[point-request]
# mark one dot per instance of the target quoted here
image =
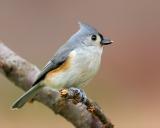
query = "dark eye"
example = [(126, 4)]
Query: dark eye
[(94, 37)]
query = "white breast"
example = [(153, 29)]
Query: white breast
[(84, 66)]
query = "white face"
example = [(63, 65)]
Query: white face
[(93, 40)]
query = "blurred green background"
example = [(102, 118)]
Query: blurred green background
[(127, 86)]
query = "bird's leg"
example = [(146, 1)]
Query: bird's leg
[(83, 96), (76, 94)]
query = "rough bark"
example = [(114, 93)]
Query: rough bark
[(22, 74)]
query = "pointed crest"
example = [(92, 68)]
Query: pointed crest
[(86, 28)]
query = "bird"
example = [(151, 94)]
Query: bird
[(74, 64)]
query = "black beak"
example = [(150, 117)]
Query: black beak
[(106, 41)]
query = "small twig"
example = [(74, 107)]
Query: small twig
[(22, 74)]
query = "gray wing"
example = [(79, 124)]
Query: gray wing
[(59, 58)]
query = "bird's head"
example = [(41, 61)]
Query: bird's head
[(89, 36)]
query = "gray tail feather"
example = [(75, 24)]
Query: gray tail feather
[(26, 96)]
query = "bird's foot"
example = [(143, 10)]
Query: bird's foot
[(76, 94)]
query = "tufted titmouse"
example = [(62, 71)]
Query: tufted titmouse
[(73, 65)]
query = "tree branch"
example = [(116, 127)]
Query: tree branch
[(22, 74)]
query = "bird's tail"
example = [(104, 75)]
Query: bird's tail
[(26, 97)]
